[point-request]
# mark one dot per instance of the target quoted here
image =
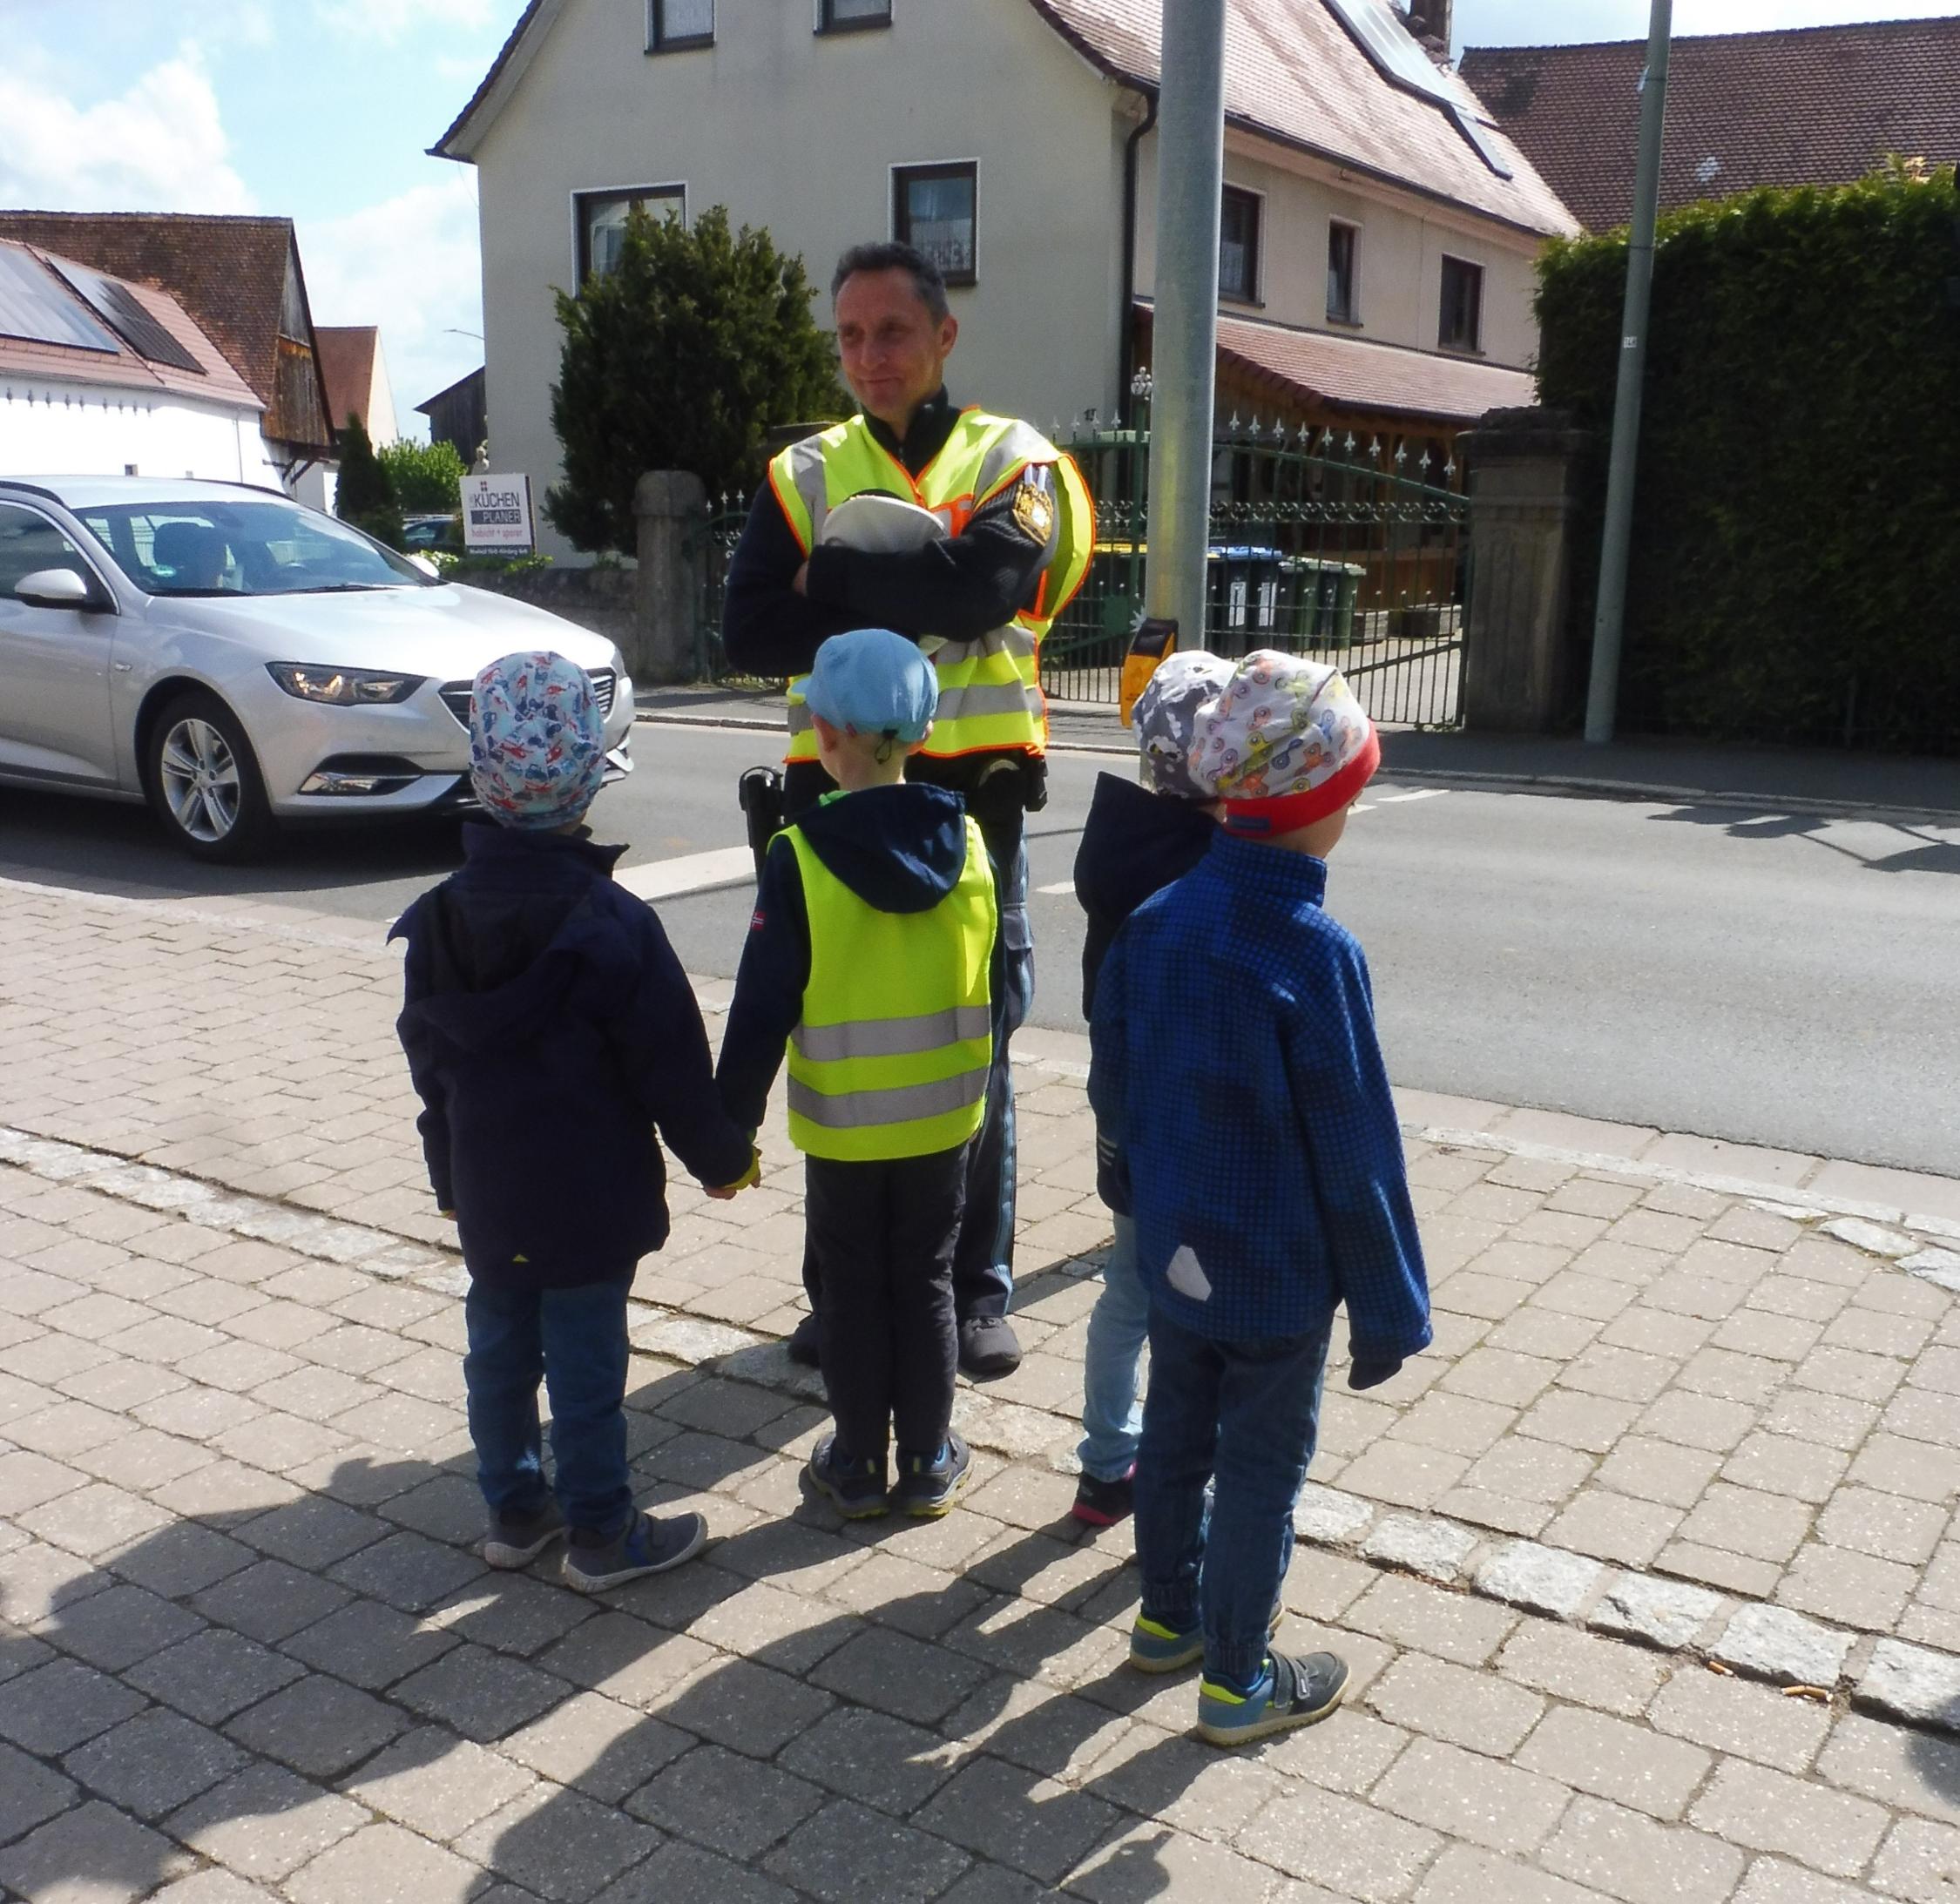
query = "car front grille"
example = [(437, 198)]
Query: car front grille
[(457, 695)]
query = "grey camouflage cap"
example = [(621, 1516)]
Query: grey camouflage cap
[(1166, 719)]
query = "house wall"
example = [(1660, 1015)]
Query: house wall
[(57, 429), (382, 425), (1402, 244), (797, 133)]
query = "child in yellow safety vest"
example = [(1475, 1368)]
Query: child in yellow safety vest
[(871, 957)]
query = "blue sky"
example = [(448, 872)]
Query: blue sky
[(321, 110)]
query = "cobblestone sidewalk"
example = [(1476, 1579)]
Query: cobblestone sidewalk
[(1647, 1574)]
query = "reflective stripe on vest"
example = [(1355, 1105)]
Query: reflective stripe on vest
[(990, 688), (892, 1054)]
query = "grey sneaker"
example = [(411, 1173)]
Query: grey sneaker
[(515, 1540), (645, 1545)]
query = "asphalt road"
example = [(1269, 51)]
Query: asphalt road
[(1753, 976)]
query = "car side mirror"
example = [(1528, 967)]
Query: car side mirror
[(59, 588), (427, 567)]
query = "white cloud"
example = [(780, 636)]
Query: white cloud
[(411, 265), (389, 20), (160, 146), (1525, 23)]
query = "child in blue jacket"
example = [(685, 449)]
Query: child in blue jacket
[(1237, 1073), (550, 1030)]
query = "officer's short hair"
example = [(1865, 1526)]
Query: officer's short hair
[(892, 256)]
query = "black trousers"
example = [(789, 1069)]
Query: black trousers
[(882, 1236)]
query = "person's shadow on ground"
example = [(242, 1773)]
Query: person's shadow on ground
[(249, 1685)]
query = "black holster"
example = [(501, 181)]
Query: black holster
[(760, 791)]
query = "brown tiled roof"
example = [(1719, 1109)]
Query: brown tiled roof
[(1354, 374), (347, 362), (126, 369), (229, 272), (1820, 105), (1294, 74)]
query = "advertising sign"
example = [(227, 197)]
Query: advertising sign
[(497, 514)]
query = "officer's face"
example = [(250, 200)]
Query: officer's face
[(893, 354)]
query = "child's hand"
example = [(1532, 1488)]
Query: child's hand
[(753, 1176)]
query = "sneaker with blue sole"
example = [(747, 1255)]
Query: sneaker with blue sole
[(646, 1544), (855, 1488), (1156, 1647), (1292, 1691), (514, 1539), (929, 1485)]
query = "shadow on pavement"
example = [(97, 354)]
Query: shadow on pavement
[(341, 1646), (1920, 850)]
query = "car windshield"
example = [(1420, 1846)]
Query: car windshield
[(223, 547)]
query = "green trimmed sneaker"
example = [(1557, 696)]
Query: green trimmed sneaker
[(855, 1488), (1292, 1691), (1155, 1647)]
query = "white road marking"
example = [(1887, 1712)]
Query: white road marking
[(1421, 793), (692, 872), (1060, 885)]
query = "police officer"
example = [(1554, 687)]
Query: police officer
[(1019, 530)]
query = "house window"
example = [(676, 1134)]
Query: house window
[(1461, 327), (933, 209), (1343, 252), (602, 222), (673, 24), (851, 16), (1238, 247)]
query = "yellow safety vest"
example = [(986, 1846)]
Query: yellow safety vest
[(989, 689), (890, 1058)]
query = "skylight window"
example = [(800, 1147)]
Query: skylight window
[(34, 307), (119, 308), (1388, 42)]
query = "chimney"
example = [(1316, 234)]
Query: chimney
[(1429, 22)]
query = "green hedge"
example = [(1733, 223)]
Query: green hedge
[(1796, 552)]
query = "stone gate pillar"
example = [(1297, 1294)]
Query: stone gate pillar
[(670, 508)]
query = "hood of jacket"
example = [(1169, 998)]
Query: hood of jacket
[(528, 916), (899, 849), (1133, 842)]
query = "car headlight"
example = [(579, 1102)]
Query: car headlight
[(343, 687)]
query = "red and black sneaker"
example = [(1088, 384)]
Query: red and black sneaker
[(1103, 1504)]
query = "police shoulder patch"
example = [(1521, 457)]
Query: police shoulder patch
[(1034, 508)]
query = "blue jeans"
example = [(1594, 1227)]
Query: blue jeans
[(983, 1256), (1247, 1413), (574, 1340), (1112, 1409)]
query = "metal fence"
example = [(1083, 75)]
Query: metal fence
[(1326, 543), (1329, 543)]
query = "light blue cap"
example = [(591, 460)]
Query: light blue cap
[(875, 681)]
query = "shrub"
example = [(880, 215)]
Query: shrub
[(426, 478), (364, 495), (1796, 564)]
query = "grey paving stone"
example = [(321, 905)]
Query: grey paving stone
[(1569, 1664), (1350, 1849), (211, 1885), (1775, 1643), (153, 1763), (115, 1629), (1668, 1614), (1429, 1545), (680, 1873), (29, 1793), (1004, 1813), (1464, 1795), (437, 1783), (848, 1853), (513, 1613), (1913, 1683), (180, 1559), (482, 1694), (745, 1706), (54, 1708), (383, 1864), (562, 1845), (874, 1758), (1466, 1708), (1740, 1717), (600, 1744), (901, 1675), (1898, 1766), (1327, 1517), (1832, 1832), (1630, 1857), (94, 1852), (1545, 1579), (368, 1643), (1631, 1764), (1183, 1783), (1919, 1862), (1465, 1874), (318, 1726), (1454, 1626), (408, 1570), (313, 1532), (213, 1674), (271, 1601), (730, 1804), (266, 1822)]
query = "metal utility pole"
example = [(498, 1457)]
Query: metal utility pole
[(1608, 626), (1190, 186)]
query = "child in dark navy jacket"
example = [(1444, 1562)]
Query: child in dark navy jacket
[(1237, 1072), (1136, 840), (550, 1030)]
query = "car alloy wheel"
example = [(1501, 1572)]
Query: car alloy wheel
[(199, 777)]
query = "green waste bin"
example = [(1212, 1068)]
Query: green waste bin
[(1321, 597)]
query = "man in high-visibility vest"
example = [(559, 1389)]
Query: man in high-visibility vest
[(1018, 529)]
